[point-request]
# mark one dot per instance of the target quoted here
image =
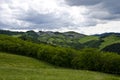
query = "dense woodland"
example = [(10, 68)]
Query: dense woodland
[(85, 59)]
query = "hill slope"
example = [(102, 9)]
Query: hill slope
[(15, 61), (14, 67), (67, 39), (111, 39)]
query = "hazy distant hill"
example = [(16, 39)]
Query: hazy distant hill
[(7, 32), (67, 39)]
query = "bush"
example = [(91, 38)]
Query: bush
[(92, 59), (89, 59), (63, 57), (111, 63)]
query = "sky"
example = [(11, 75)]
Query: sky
[(82, 16)]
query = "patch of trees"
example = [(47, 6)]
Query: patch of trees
[(113, 48), (93, 43), (88, 59), (30, 36)]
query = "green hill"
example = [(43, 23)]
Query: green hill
[(111, 39), (88, 38), (15, 61), (14, 67), (67, 39), (113, 48)]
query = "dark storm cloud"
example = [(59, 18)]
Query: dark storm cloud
[(99, 7), (112, 5)]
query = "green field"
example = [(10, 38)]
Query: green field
[(14, 67), (88, 38)]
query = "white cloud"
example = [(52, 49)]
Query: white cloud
[(54, 15), (21, 8), (112, 26)]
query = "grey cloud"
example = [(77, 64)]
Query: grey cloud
[(2, 25), (103, 15), (45, 20), (112, 5), (99, 7), (34, 20), (83, 2), (26, 16), (38, 18)]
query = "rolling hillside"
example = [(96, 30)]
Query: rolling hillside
[(14, 67), (88, 38), (67, 39), (108, 40)]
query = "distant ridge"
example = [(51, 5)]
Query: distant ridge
[(107, 34)]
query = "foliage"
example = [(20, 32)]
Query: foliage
[(93, 43), (89, 59)]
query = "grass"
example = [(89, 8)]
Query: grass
[(88, 38), (17, 35), (14, 67), (10, 60)]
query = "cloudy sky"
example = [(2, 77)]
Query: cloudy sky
[(83, 16)]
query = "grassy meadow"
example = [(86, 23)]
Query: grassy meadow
[(16, 67)]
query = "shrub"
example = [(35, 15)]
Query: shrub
[(89, 59), (111, 63)]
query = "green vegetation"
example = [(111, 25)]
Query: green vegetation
[(110, 40), (16, 35), (14, 67), (113, 48), (15, 61), (93, 43), (88, 38), (67, 39), (69, 49), (87, 59)]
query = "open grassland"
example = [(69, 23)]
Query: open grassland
[(15, 61), (88, 38), (14, 67)]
